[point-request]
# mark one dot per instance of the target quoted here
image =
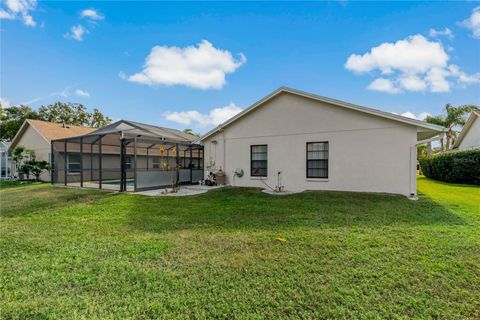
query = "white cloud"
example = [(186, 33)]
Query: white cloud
[(4, 102), (91, 14), (76, 33), (202, 66), (6, 15), (462, 76), (28, 20), (64, 94), (82, 93), (412, 64), (213, 118), (19, 9), (445, 32), (473, 23), (384, 85), (421, 116), (412, 82)]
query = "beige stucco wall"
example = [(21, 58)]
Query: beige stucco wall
[(471, 140), (367, 153), (32, 140)]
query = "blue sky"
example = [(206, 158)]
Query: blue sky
[(194, 64)]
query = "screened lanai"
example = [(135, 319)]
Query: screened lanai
[(127, 156)]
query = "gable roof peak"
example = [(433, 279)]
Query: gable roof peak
[(339, 103)]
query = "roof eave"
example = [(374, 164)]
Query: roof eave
[(471, 119), (344, 104)]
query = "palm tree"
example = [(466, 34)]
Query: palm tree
[(438, 120), (190, 131), (455, 116)]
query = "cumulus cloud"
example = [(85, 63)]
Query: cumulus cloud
[(473, 23), (91, 14), (202, 66), (20, 9), (421, 116), (82, 93), (412, 64), (437, 33), (382, 84), (201, 120), (76, 33)]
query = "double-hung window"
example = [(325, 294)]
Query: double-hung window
[(73, 163), (258, 160), (317, 160)]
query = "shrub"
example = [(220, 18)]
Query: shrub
[(456, 167)]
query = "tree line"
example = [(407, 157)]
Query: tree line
[(12, 118)]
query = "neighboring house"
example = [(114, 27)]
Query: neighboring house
[(37, 135), (307, 142), (5, 161), (469, 137)]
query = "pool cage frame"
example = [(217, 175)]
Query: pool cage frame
[(117, 155)]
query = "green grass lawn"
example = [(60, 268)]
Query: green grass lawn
[(69, 253)]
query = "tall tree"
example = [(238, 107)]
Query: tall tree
[(438, 120), (11, 120), (454, 117), (72, 113), (190, 131), (60, 112), (98, 120)]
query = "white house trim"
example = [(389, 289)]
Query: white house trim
[(466, 128), (419, 124)]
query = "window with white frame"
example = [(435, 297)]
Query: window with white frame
[(258, 160), (317, 160)]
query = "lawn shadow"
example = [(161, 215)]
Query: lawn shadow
[(248, 208), (35, 199)]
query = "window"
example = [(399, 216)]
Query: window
[(73, 163), (156, 163), (317, 160), (258, 163), (128, 162)]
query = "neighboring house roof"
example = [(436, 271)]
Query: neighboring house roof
[(468, 124), (432, 129), (50, 130)]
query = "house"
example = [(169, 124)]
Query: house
[(469, 137), (5, 160), (37, 135), (303, 141)]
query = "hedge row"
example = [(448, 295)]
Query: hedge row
[(455, 167)]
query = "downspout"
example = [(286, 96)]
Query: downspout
[(413, 171), (52, 163), (224, 152)]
